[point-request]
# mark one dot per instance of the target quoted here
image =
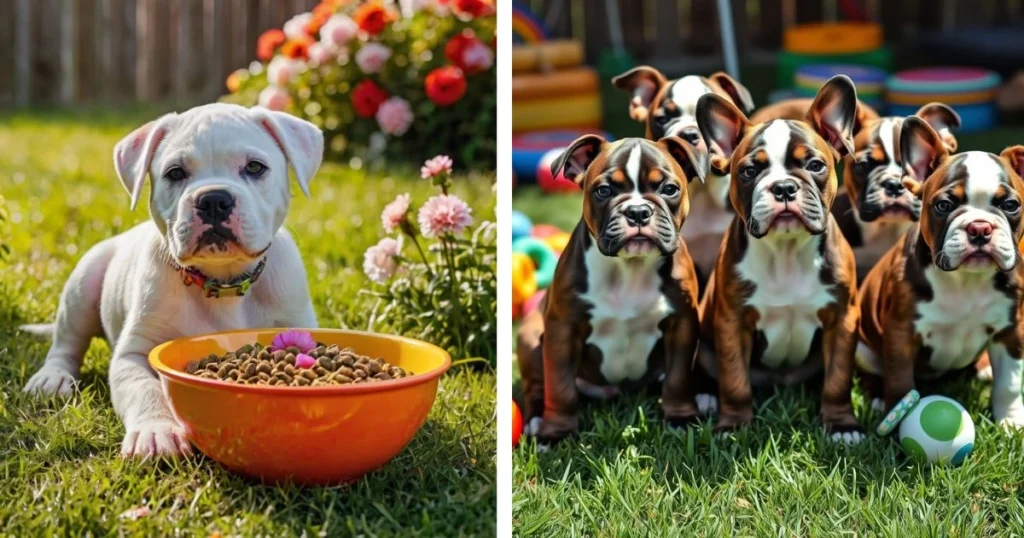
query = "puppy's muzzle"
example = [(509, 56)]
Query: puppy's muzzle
[(638, 215), (785, 190), (214, 207), (979, 233)]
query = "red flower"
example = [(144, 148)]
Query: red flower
[(297, 48), (367, 97), (321, 13), (268, 43), (479, 57), (445, 85), (372, 17), (472, 8)]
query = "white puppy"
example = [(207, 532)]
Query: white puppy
[(214, 256)]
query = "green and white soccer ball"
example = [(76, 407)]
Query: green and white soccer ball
[(938, 429)]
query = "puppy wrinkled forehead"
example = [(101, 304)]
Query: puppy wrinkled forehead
[(980, 176), (218, 129), (627, 159)]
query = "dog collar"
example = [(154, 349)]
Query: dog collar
[(216, 288)]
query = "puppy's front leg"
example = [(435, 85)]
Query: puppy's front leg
[(839, 343), (733, 345), (138, 398), (561, 401), (1007, 375), (899, 349), (678, 404)]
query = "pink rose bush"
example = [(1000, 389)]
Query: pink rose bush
[(442, 262), (429, 63)]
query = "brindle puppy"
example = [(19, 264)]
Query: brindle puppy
[(781, 305), (622, 309)]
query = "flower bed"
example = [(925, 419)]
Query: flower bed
[(384, 82)]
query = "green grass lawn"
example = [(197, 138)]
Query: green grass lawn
[(627, 475), (60, 473)]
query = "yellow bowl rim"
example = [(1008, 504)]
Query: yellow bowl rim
[(331, 390)]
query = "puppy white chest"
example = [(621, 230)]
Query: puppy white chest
[(627, 307), (787, 297), (966, 310)]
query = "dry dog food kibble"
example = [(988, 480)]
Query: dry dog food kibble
[(322, 365)]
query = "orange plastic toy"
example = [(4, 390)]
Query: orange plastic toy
[(309, 435), (517, 425)]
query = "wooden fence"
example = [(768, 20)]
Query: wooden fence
[(116, 51), (667, 31)]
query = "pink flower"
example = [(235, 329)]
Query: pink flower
[(379, 261), (478, 57), (444, 214), (274, 98), (281, 70), (371, 57), (436, 166), (394, 212), (321, 54), (296, 26), (338, 31), (294, 337), (304, 361), (394, 116)]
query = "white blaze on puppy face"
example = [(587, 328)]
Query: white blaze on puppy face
[(633, 168), (684, 93), (213, 145), (776, 138), (984, 178)]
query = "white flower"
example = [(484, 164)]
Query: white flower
[(296, 26), (281, 71), (338, 31)]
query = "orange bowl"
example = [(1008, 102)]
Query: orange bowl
[(305, 435)]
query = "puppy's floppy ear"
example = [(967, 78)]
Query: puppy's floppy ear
[(574, 161), (301, 141), (739, 93), (863, 116), (133, 155), (1014, 156), (943, 119), (694, 161), (643, 83), (721, 124), (834, 113), (922, 152)]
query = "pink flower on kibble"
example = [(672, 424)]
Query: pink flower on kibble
[(294, 337), (379, 261), (372, 57), (304, 361), (274, 98), (394, 212), (321, 54), (281, 70), (394, 116), (436, 166), (338, 31), (444, 214)]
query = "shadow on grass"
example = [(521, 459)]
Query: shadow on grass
[(628, 436)]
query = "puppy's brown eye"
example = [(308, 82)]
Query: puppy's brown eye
[(176, 173), (603, 191), (1011, 206), (748, 172), (670, 190), (943, 206), (815, 166), (255, 168)]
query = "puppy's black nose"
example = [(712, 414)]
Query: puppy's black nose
[(638, 215), (691, 135), (785, 190), (215, 206), (893, 187)]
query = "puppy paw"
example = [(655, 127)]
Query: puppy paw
[(1012, 421), (850, 436), (984, 374), (51, 380), (707, 404), (729, 424), (161, 439), (532, 427)]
